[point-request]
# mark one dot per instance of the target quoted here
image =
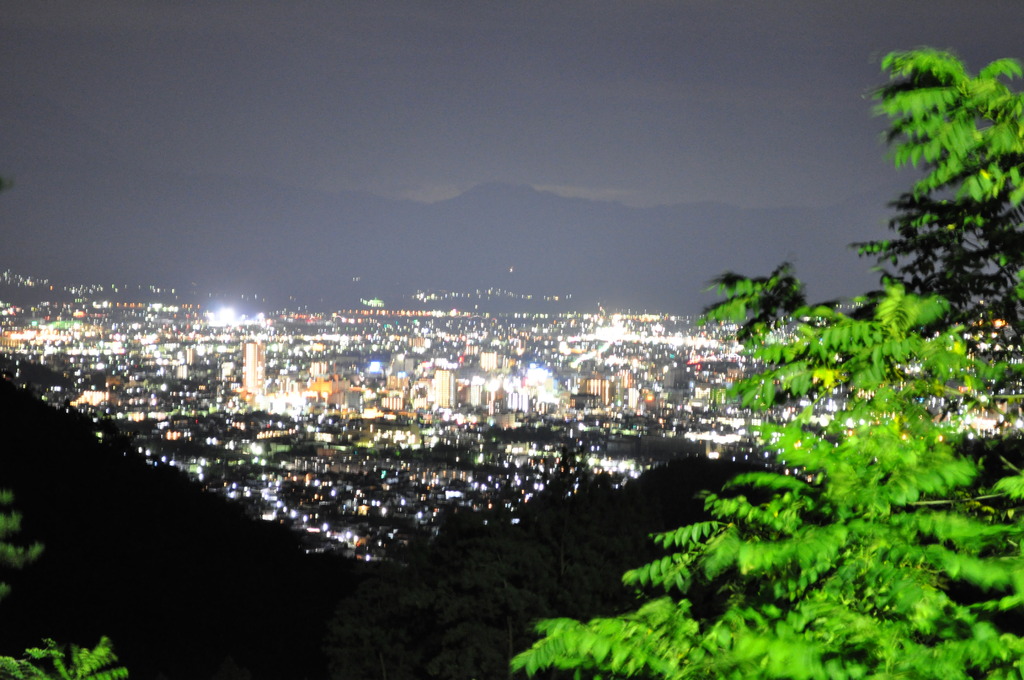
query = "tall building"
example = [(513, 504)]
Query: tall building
[(317, 369), (254, 366), (444, 388), (476, 392), (488, 361), (599, 387)]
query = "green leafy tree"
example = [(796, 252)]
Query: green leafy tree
[(880, 545), (485, 598), (13, 556), (957, 232), (49, 661), (378, 632), (230, 670), (52, 662)]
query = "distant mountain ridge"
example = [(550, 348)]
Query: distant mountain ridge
[(329, 250)]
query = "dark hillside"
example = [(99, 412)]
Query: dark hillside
[(181, 580), (178, 579), (464, 604)]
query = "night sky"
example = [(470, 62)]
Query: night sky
[(137, 131)]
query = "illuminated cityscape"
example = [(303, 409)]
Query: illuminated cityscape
[(365, 340), (362, 428)]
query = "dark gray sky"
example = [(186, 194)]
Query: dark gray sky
[(756, 104)]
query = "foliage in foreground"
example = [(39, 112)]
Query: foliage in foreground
[(883, 545), (13, 556), (878, 558), (958, 231), (53, 663), (49, 661)]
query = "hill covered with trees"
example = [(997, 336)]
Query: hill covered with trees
[(187, 586), (178, 579)]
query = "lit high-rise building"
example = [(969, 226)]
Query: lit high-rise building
[(518, 401), (476, 392), (317, 369), (254, 365), (444, 388), (599, 387), (488, 361)]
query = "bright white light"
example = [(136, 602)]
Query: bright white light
[(225, 316), (537, 375)]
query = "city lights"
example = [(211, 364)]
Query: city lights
[(379, 425)]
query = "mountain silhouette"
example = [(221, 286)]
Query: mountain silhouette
[(328, 250)]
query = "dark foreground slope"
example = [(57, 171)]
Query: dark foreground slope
[(182, 581), (461, 607), (178, 579)]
